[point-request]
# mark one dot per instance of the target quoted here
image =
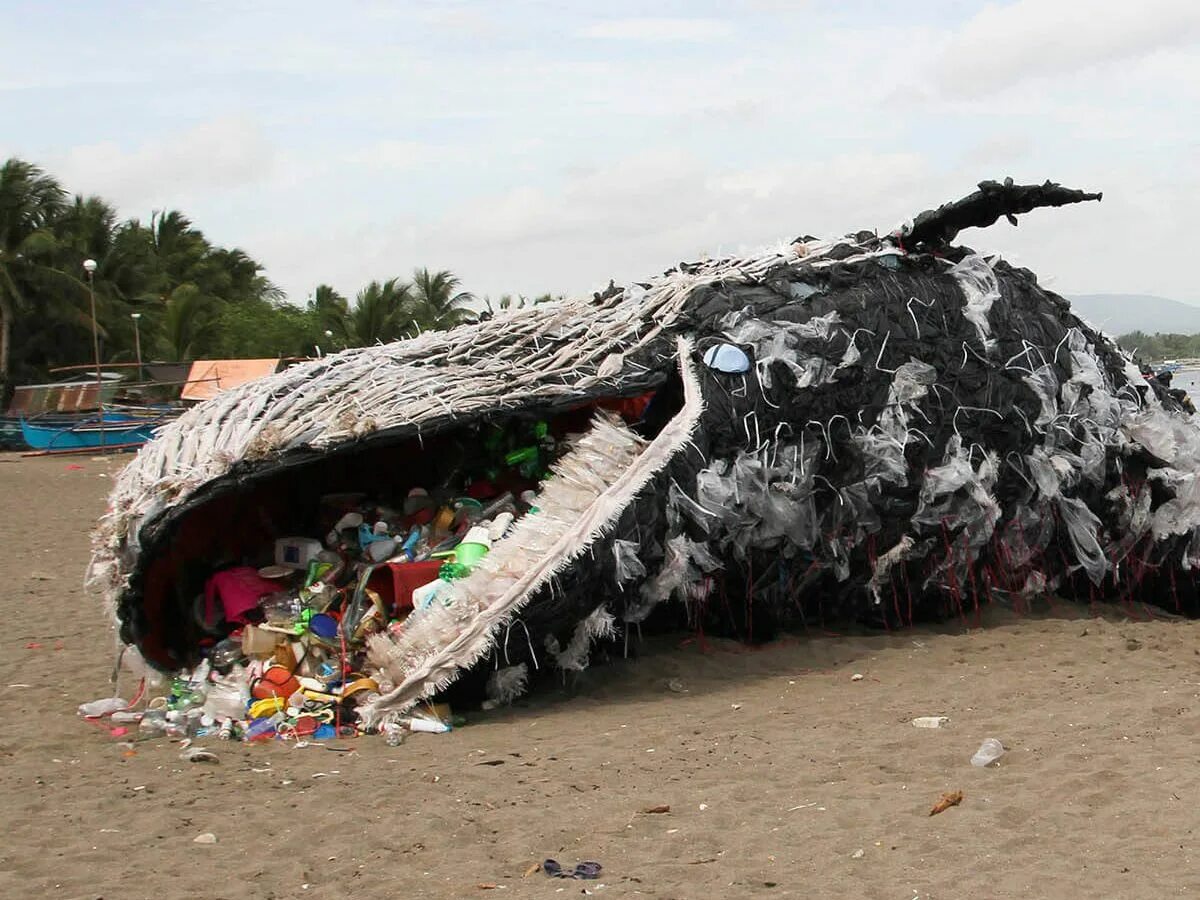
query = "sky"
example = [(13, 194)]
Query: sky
[(536, 147)]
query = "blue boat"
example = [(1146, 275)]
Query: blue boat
[(112, 431)]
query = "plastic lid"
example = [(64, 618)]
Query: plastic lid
[(727, 358), (323, 626)]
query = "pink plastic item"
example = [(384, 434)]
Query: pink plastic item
[(238, 590)]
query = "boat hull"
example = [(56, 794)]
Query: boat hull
[(88, 435)]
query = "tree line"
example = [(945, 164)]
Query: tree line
[(192, 298), (1159, 347)]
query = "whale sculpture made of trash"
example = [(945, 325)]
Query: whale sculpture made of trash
[(874, 427)]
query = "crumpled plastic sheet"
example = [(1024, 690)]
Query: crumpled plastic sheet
[(858, 497), (750, 501), (1044, 383), (1181, 513), (1051, 473), (574, 657), (1083, 527), (776, 341), (627, 565), (977, 281), (1085, 368), (506, 684), (1191, 556), (976, 511), (684, 562), (883, 457), (906, 548), (1133, 519), (911, 381)]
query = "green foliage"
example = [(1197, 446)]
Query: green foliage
[(193, 298), (437, 301), (1153, 348)]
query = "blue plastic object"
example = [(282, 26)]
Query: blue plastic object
[(727, 358)]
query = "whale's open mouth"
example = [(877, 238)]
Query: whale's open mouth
[(603, 461), (593, 483)]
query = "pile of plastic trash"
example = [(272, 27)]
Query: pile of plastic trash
[(285, 652)]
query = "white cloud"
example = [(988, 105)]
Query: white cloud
[(627, 219), (405, 155), (533, 160), (999, 149), (213, 156), (1006, 44), (659, 29)]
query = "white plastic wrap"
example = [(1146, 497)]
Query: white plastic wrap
[(1044, 383), (980, 289), (1083, 529), (626, 562)]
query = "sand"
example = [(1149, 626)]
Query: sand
[(778, 767)]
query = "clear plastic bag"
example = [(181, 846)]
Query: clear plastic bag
[(628, 566), (980, 289), (1083, 527)]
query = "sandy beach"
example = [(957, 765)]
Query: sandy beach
[(784, 775)]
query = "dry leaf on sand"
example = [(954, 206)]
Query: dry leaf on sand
[(949, 799)]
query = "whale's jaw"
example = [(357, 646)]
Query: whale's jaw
[(593, 484)]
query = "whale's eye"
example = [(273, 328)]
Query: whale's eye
[(727, 358)]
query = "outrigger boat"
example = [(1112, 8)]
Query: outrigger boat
[(112, 431)]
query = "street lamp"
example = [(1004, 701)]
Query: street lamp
[(89, 266), (137, 341)]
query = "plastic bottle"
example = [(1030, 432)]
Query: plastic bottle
[(989, 751), (154, 723), (226, 653), (393, 734), (185, 695), (432, 726), (103, 707)]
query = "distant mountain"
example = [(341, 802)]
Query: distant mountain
[(1122, 313)]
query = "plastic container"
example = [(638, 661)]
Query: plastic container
[(226, 701), (393, 734), (989, 751), (436, 593), (296, 552), (259, 642), (381, 550), (154, 723), (474, 547), (931, 721), (499, 526), (226, 653), (262, 729)]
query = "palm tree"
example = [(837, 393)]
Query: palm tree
[(186, 318), (381, 313), (330, 313), (30, 202), (437, 302)]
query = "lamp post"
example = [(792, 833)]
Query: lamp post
[(137, 342), (89, 266)]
